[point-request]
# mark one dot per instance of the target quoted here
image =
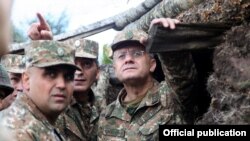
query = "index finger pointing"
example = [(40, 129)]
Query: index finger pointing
[(41, 19)]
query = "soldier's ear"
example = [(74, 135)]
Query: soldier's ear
[(25, 80), (152, 65), (97, 74)]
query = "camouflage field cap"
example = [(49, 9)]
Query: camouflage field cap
[(5, 81), (85, 48), (13, 63), (46, 53), (128, 37)]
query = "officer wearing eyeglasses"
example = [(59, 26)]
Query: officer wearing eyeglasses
[(144, 103)]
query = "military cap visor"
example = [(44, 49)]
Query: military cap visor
[(85, 55), (13, 70), (128, 38), (126, 43), (45, 65)]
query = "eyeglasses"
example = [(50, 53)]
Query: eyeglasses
[(120, 56)]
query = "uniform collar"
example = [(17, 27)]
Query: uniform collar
[(151, 98)]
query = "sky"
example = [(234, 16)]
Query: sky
[(80, 13)]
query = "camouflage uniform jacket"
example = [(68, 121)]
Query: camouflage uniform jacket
[(27, 122), (158, 107), (78, 122)]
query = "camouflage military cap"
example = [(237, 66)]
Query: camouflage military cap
[(85, 48), (5, 81), (46, 53), (128, 37), (13, 63)]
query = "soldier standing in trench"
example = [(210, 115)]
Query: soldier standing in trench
[(15, 66), (48, 83), (79, 120), (143, 104)]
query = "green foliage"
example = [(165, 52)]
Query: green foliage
[(106, 52), (17, 35)]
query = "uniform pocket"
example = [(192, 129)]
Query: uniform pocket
[(149, 133), (113, 134), (148, 130)]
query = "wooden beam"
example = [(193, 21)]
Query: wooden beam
[(186, 37)]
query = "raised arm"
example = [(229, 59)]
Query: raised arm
[(180, 72)]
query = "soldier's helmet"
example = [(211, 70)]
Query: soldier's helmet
[(128, 37), (84, 48), (5, 84), (45, 53), (13, 63)]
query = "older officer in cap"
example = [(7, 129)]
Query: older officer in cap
[(48, 83), (144, 103), (79, 120), (15, 66)]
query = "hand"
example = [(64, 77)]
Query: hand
[(165, 22), (40, 30)]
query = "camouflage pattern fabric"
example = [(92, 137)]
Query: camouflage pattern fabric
[(133, 36), (105, 91), (160, 106), (47, 53), (5, 82), (180, 72), (84, 48), (6, 135), (79, 121), (27, 122), (13, 63)]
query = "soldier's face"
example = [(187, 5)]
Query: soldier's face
[(87, 76), (132, 63), (16, 81), (50, 88)]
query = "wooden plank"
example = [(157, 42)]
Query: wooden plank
[(186, 37)]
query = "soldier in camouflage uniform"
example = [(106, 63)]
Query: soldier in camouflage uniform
[(143, 104), (48, 83), (15, 65), (79, 120), (5, 89)]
